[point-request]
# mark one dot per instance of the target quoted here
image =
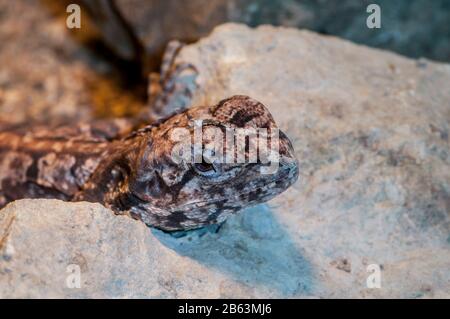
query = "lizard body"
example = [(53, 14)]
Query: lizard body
[(133, 171)]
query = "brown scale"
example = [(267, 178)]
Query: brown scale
[(50, 163)]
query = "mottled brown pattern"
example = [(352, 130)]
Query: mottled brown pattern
[(51, 162), (136, 173)]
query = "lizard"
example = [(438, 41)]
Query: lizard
[(127, 164)]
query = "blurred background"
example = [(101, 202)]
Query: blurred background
[(102, 68)]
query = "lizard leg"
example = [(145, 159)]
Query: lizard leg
[(172, 89), (175, 73), (173, 49), (157, 80)]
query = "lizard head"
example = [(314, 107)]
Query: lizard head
[(200, 166)]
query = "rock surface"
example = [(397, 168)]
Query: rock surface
[(371, 131), (42, 240)]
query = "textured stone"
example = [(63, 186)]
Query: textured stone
[(370, 129), (40, 240)]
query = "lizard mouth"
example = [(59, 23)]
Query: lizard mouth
[(284, 179)]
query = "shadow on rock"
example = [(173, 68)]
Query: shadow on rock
[(251, 247)]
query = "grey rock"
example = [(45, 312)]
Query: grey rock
[(370, 129), (42, 241)]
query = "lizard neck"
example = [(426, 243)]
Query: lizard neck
[(109, 183)]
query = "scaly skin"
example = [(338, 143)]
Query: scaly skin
[(133, 171)]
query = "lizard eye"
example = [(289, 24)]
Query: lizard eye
[(205, 169)]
